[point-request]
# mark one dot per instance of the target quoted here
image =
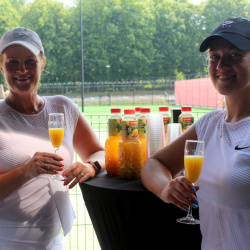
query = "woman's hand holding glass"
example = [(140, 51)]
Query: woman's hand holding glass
[(56, 133), (36, 166), (180, 192), (193, 161)]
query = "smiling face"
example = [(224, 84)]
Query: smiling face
[(229, 67), (21, 69)]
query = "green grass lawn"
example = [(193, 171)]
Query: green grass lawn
[(105, 110), (98, 115)]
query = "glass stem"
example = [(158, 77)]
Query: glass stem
[(190, 213)]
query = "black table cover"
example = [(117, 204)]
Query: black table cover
[(126, 216)]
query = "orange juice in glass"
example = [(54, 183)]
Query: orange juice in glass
[(193, 166), (56, 129), (56, 136), (193, 160)]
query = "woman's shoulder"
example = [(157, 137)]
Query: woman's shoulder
[(210, 118), (214, 115), (208, 122), (60, 103), (57, 98)]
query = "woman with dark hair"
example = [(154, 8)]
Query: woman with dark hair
[(224, 183)]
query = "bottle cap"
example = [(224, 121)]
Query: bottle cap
[(186, 108), (129, 111), (138, 109), (115, 110), (163, 108), (145, 110)]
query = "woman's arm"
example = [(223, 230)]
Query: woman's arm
[(14, 179), (88, 147), (159, 171), (86, 143)]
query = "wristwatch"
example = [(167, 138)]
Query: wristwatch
[(97, 167)]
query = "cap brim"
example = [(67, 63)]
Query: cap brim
[(28, 46), (239, 41)]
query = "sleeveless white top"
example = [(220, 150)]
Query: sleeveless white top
[(224, 193), (35, 213)]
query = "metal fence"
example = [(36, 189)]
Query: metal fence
[(113, 93), (150, 92)]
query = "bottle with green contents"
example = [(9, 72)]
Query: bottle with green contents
[(186, 118), (166, 120), (130, 148), (142, 129), (113, 140)]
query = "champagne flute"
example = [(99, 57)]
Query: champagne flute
[(56, 133), (193, 160), (56, 129)]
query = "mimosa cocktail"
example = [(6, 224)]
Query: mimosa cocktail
[(56, 133), (193, 160), (193, 166), (56, 136), (56, 129)]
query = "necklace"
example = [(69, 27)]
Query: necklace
[(222, 125)]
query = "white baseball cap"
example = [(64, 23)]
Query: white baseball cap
[(22, 36)]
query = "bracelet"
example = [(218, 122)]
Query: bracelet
[(95, 165)]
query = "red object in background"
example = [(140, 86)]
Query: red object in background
[(197, 92)]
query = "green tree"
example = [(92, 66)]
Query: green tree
[(189, 32), (19, 5), (165, 39), (216, 11), (130, 30), (137, 38), (49, 19), (176, 37), (9, 18)]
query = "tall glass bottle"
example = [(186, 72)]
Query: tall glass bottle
[(130, 148), (142, 128), (166, 120), (112, 142)]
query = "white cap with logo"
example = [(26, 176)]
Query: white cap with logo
[(22, 36)]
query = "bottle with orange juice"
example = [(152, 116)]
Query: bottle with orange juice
[(130, 148), (166, 120), (142, 129), (186, 118), (113, 140)]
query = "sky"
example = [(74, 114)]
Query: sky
[(196, 1), (67, 2)]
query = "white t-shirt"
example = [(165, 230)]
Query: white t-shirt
[(224, 193), (35, 213)]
